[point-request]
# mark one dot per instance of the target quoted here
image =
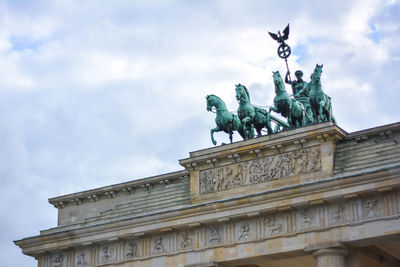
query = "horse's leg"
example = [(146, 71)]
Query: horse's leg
[(258, 129), (247, 127), (297, 114), (332, 118), (289, 118), (268, 123), (315, 115), (320, 109), (329, 111), (304, 118), (216, 129), (237, 126)]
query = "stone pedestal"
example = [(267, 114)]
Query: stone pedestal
[(331, 257)]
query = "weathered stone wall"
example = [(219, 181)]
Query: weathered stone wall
[(136, 197), (294, 229), (314, 192)]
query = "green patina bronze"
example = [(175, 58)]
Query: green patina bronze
[(301, 92), (250, 115), (226, 121), (321, 105), (308, 105), (289, 108)]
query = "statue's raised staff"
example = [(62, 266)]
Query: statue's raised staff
[(289, 108), (226, 121), (250, 115), (320, 102)]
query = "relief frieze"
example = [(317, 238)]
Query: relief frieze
[(310, 218), (260, 170)]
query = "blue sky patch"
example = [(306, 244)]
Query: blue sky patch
[(21, 43)]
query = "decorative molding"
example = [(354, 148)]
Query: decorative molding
[(260, 170), (93, 198), (225, 232)]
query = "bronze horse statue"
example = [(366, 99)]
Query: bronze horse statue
[(289, 108), (226, 121), (320, 102), (250, 115)]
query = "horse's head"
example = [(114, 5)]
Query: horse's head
[(316, 75), (210, 100), (242, 93), (214, 101), (279, 85)]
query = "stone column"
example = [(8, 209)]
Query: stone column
[(331, 257)]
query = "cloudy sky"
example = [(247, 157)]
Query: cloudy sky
[(94, 93)]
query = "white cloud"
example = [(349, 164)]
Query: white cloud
[(94, 93)]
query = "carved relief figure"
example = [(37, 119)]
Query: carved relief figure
[(215, 238), (132, 249), (81, 260), (158, 245), (106, 254), (244, 231), (207, 182), (58, 261), (307, 217), (371, 207), (186, 240), (260, 170), (274, 226), (338, 214)]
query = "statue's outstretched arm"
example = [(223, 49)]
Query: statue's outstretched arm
[(287, 78)]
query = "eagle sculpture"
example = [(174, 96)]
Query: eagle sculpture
[(280, 38)]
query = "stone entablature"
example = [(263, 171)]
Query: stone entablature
[(296, 200), (268, 162), (167, 190), (307, 208), (334, 216)]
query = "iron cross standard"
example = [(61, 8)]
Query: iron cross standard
[(284, 50)]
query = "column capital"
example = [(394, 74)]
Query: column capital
[(334, 251), (331, 256)]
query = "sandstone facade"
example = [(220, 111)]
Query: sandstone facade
[(313, 196)]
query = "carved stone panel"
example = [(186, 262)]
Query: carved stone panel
[(243, 231), (107, 253), (59, 260), (372, 207), (159, 245), (186, 240), (338, 213), (82, 258), (131, 249), (274, 225), (260, 170), (305, 218), (214, 235)]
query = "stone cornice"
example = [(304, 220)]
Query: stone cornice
[(274, 143), (384, 130), (112, 190), (290, 197)]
